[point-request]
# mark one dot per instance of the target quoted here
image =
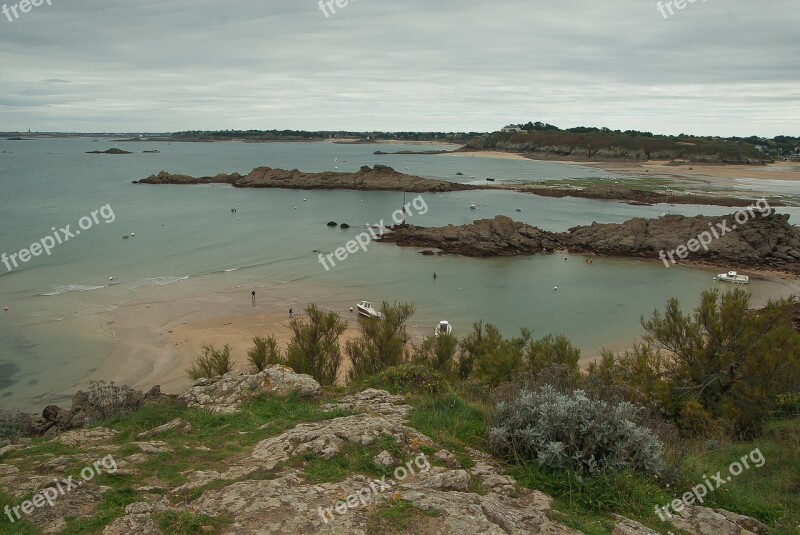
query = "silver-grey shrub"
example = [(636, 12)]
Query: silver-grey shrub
[(573, 431)]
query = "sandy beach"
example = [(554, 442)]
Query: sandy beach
[(158, 342), (488, 154), (665, 169)]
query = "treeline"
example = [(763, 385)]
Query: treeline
[(303, 135), (687, 146)]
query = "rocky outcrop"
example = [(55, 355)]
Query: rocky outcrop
[(696, 519), (261, 489), (109, 151), (378, 178), (225, 394), (500, 236), (633, 196), (769, 242), (762, 242)]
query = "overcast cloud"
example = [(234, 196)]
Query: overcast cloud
[(727, 67)]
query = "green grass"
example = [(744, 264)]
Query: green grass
[(770, 493), (112, 505), (351, 459), (396, 516), (184, 523), (451, 422)]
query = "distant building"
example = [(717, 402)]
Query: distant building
[(511, 128)]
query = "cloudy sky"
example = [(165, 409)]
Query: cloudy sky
[(718, 67)]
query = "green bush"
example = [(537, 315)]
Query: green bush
[(413, 378), (265, 352), (212, 363), (314, 349), (382, 343), (571, 431), (787, 405), (438, 353)]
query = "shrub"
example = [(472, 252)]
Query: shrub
[(491, 357), (695, 421), (413, 378), (552, 351), (212, 363), (787, 405), (438, 353), (14, 425), (314, 349), (571, 431), (265, 352), (382, 343)]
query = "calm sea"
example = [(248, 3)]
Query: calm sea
[(188, 241)]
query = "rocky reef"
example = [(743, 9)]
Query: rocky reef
[(769, 241), (378, 178)]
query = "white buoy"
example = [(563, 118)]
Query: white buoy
[(132, 234), (555, 288)]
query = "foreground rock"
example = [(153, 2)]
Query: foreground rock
[(226, 394), (762, 242), (264, 490), (378, 178)]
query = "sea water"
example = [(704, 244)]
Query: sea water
[(187, 240)]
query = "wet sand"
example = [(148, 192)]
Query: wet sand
[(158, 342)]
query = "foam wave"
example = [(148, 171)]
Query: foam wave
[(163, 281), (58, 290)]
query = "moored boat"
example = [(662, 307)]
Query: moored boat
[(444, 327), (733, 277), (366, 309)]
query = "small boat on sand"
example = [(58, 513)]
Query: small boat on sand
[(733, 277), (366, 309), (444, 327)]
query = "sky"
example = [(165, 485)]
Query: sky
[(714, 67)]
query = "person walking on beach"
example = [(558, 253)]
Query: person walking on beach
[(253, 294), (290, 312)]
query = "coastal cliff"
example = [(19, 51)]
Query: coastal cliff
[(378, 178), (764, 242)]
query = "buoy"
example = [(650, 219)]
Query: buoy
[(555, 288), (132, 234)]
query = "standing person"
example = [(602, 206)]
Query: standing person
[(253, 294), (290, 312)]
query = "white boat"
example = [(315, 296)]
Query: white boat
[(733, 277), (473, 206), (444, 327), (366, 309)]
